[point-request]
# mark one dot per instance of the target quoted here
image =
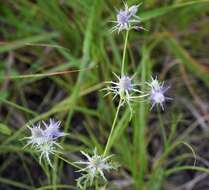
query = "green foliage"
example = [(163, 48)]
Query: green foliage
[(42, 40), (5, 130)]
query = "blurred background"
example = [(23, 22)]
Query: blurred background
[(50, 36)]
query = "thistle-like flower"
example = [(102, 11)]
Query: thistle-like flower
[(95, 168), (126, 19), (37, 136), (44, 140), (52, 129), (157, 93), (125, 89)]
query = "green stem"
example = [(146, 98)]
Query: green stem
[(68, 162), (124, 54), (162, 128), (108, 145), (46, 166), (96, 185), (54, 174)]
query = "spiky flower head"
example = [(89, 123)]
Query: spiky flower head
[(37, 135), (95, 166), (126, 19), (157, 93), (44, 140), (52, 129), (125, 89)]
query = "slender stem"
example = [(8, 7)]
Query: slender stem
[(124, 53), (162, 128), (54, 173), (68, 162), (108, 145), (46, 166), (96, 185)]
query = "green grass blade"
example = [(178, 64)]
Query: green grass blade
[(8, 46), (199, 70), (157, 12)]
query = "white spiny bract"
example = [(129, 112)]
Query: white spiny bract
[(37, 136), (157, 93), (43, 140), (47, 149), (94, 169), (126, 19), (125, 89)]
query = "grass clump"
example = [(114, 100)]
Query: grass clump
[(58, 59)]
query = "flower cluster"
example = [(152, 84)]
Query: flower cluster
[(128, 92), (95, 168), (44, 139), (126, 19), (44, 135)]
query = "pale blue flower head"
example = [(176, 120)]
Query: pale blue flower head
[(44, 140), (123, 20), (133, 10), (157, 93), (127, 19), (125, 83), (37, 135), (52, 129), (125, 89)]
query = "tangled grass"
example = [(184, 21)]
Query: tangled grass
[(146, 134)]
